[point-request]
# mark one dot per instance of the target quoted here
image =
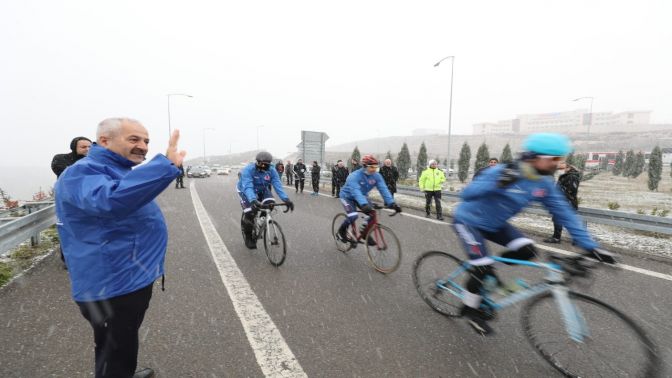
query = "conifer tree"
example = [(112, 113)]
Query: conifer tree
[(618, 164), (355, 156), (482, 157), (656, 168), (421, 161), (463, 162), (506, 156), (403, 161), (388, 155), (629, 164), (638, 167)]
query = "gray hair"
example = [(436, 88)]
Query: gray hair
[(110, 126)]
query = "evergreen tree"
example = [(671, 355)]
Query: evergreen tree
[(570, 159), (655, 168), (355, 156), (403, 161), (629, 164), (463, 162), (482, 157), (421, 161), (506, 156), (618, 164), (638, 167), (388, 155)]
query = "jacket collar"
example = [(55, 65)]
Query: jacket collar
[(104, 156)]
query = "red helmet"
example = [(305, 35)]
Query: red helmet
[(369, 160)]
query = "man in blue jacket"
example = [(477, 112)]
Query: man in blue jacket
[(498, 194), (114, 237), (354, 195), (254, 190)]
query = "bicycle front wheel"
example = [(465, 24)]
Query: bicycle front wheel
[(432, 277), (613, 346), (274, 243), (335, 225), (385, 254)]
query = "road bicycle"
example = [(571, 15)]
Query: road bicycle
[(578, 335), (382, 245), (266, 228)]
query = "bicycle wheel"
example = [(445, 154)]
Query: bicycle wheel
[(335, 225), (274, 243), (615, 346), (385, 256), (430, 277)]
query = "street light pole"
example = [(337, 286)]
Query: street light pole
[(258, 136), (450, 107), (591, 110), (204, 156), (173, 94)]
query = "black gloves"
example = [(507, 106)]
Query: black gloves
[(366, 209), (256, 205), (508, 176), (600, 255), (290, 205), (395, 207)]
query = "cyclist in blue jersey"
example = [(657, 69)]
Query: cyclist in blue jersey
[(354, 195), (255, 181), (498, 194)]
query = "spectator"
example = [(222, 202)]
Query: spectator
[(341, 175), (391, 175), (280, 168), (430, 182), (179, 181), (290, 172), (491, 163), (334, 169), (79, 148), (568, 183), (315, 178), (114, 237), (299, 175)]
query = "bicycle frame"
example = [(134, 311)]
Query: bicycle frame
[(575, 324), (372, 224)]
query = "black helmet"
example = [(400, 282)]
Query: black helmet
[(264, 157)]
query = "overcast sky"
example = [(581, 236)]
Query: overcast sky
[(353, 69)]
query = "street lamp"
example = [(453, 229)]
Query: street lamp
[(450, 108), (168, 95), (258, 127), (591, 110), (205, 128)]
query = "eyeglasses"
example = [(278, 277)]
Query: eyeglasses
[(554, 158)]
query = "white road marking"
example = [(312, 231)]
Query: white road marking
[(273, 355)]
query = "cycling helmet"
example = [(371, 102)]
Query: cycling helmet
[(548, 144), (264, 157), (369, 160)]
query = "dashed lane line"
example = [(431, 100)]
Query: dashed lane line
[(273, 355)]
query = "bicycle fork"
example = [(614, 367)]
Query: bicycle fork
[(575, 324)]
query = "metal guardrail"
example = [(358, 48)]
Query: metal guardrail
[(27, 227), (662, 225)]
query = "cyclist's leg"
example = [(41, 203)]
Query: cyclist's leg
[(519, 246), (247, 223), (351, 216)]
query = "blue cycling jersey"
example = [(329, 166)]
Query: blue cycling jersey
[(254, 181), (358, 185)]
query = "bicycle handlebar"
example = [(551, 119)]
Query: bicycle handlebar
[(270, 206)]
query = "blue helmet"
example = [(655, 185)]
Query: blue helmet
[(548, 144)]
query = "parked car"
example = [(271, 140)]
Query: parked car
[(223, 171), (198, 172)]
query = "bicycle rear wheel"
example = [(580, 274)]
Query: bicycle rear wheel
[(274, 243), (385, 255), (614, 347), (335, 225), (431, 271)]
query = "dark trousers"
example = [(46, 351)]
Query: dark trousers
[(338, 186), (437, 200), (299, 182), (115, 324), (333, 187), (290, 179), (316, 183), (179, 181)]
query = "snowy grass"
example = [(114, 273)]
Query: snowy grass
[(25, 256)]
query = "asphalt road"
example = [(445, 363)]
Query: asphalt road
[(336, 314)]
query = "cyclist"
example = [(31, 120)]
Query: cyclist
[(255, 181), (354, 195), (498, 194)]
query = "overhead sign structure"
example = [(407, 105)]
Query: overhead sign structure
[(312, 146)]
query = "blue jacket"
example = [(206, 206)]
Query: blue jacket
[(253, 181), (113, 234), (359, 184), (487, 207)]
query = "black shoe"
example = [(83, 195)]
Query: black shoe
[(371, 241), (439, 217), (476, 319), (144, 373), (342, 235), (552, 240), (250, 243), (428, 215)]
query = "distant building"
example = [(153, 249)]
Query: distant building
[(421, 132), (312, 147), (577, 121), (667, 155)]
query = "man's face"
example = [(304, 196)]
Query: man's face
[(492, 163), (340, 164), (371, 169), (300, 161), (433, 166), (131, 141), (83, 147), (546, 165), (388, 162), (562, 165)]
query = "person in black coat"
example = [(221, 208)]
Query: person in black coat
[(299, 175), (391, 175), (179, 181), (340, 175), (315, 178), (79, 148), (568, 183)]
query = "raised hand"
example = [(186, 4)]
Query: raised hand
[(171, 153)]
